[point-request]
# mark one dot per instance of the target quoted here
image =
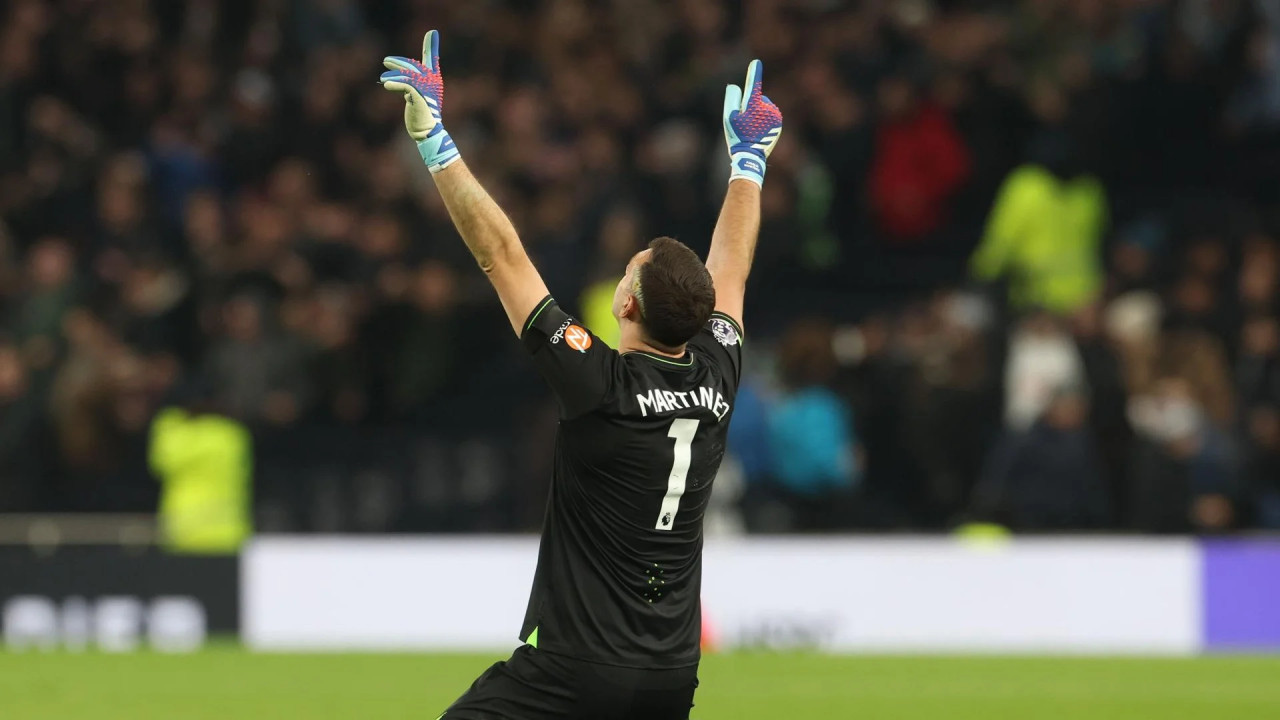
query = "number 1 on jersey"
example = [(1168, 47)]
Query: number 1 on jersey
[(682, 431)]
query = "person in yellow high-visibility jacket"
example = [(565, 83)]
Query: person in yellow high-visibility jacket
[(204, 463), (1045, 235)]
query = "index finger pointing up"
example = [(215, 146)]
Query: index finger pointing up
[(754, 82)]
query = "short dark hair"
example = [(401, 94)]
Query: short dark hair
[(675, 293)]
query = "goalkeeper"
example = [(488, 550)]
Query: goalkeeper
[(614, 618)]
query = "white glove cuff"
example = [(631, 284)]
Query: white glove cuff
[(747, 165)]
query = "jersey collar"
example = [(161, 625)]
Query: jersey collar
[(681, 362)]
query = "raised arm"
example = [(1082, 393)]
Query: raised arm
[(752, 126), (486, 230)]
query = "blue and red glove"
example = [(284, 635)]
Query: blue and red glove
[(752, 126), (423, 89)]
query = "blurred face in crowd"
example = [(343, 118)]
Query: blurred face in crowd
[(203, 221), (119, 207), (1207, 258), (85, 332), (897, 97), (1048, 102), (1086, 322), (807, 358), (1133, 319), (1042, 325), (332, 318), (1194, 297), (1068, 411), (243, 319), (50, 263), (1264, 427), (435, 288), (601, 151), (266, 231), (1131, 261), (292, 183), (1178, 419), (381, 236), (1259, 273), (13, 381), (1261, 337), (619, 235)]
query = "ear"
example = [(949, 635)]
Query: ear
[(630, 308)]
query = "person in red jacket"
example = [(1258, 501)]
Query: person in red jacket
[(920, 161)]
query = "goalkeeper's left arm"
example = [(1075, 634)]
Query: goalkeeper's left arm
[(483, 226)]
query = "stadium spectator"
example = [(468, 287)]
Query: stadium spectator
[(23, 450), (1108, 399), (1045, 232), (1262, 464), (409, 341), (920, 161), (1257, 372), (1043, 357), (813, 447), (256, 367), (950, 399), (51, 292), (877, 371), (204, 463), (1184, 469), (1048, 476), (216, 187)]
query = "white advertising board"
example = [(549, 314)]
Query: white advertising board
[(840, 595), (933, 595), (385, 594)]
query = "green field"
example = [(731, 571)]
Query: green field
[(227, 683)]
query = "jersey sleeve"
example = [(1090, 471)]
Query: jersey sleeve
[(577, 365), (721, 340)]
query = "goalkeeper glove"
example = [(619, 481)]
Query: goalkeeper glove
[(752, 126), (423, 89)]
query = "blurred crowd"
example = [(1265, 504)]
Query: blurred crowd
[(1017, 264)]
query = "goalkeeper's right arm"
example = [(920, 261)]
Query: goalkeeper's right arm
[(752, 126)]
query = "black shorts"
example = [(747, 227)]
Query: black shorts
[(536, 685)]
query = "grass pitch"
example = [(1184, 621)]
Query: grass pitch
[(226, 682)]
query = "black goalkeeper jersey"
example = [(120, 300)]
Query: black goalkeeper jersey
[(641, 437)]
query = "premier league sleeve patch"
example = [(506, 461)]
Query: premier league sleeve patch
[(724, 332)]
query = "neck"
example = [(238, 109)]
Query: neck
[(626, 345)]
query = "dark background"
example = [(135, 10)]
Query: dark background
[(219, 195)]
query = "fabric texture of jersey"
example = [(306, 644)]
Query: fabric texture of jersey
[(536, 685), (640, 440)]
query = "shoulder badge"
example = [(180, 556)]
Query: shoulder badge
[(724, 332)]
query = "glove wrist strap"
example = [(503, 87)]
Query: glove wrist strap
[(438, 151), (747, 165)]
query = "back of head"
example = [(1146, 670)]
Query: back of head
[(675, 293)]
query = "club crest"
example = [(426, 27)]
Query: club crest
[(724, 332)]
